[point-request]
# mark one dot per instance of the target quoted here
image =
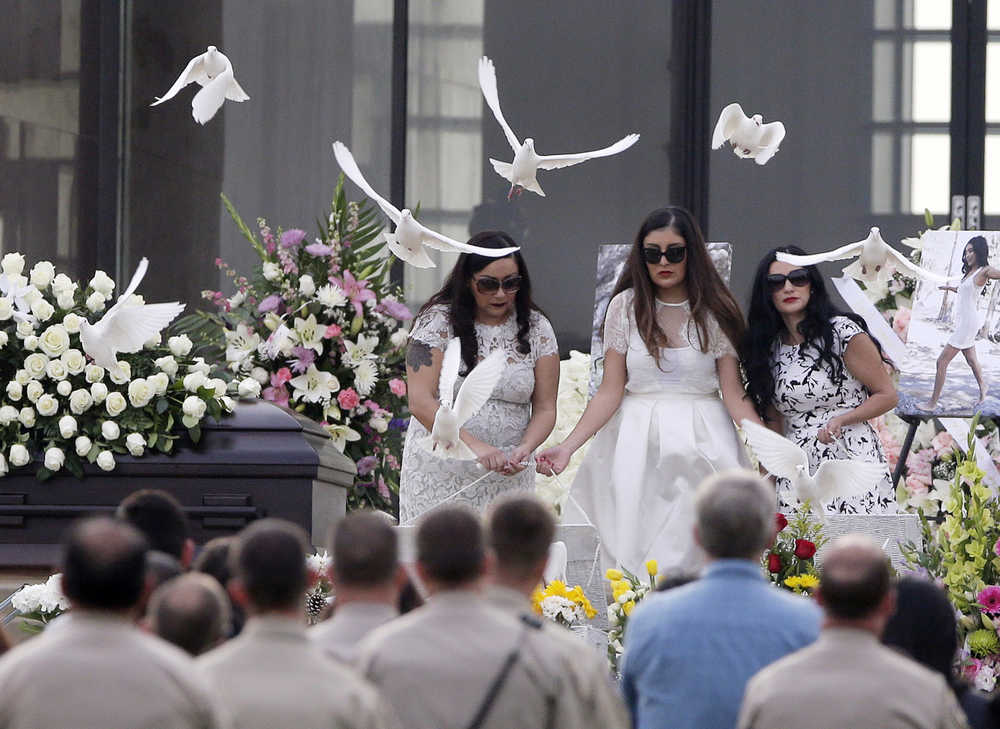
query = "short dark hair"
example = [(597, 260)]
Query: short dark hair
[(159, 516), (450, 545), (364, 550), (213, 559), (854, 577), (104, 564), (520, 531), (191, 611), (269, 558)]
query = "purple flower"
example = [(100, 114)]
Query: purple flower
[(366, 465), (356, 290), (304, 356), (319, 250), (271, 303), (291, 238), (395, 309)]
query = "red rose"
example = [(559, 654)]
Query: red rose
[(774, 562), (804, 549), (780, 521)]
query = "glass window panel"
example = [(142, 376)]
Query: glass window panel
[(993, 82), (931, 81), (883, 80), (930, 160), (931, 15), (885, 14), (882, 173), (991, 191), (993, 14)]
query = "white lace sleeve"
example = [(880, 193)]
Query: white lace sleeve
[(718, 343), (616, 322), (432, 328), (541, 336)]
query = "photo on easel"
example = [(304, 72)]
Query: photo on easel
[(610, 262), (952, 364)]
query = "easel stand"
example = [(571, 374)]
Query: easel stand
[(913, 422)]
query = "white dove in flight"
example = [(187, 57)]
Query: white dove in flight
[(214, 72), (750, 136), (521, 173), (410, 238), (876, 260), (783, 458), (16, 293), (126, 327), (475, 391)]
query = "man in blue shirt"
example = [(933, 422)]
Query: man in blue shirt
[(689, 652)]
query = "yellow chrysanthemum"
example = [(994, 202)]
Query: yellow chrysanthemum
[(613, 575), (627, 607), (556, 588)]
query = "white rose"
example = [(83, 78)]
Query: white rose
[(106, 461), (19, 455), (237, 299), (271, 270), (140, 392), (194, 407), (72, 323), (379, 424), (94, 373), (6, 308), (55, 369), (135, 443), (8, 414), (200, 365), (3, 465), (160, 382), (167, 364), (54, 459), (66, 300), (47, 405), (34, 390), (34, 365), (3, 341), (27, 417), (67, 426), (64, 388), (31, 343), (43, 310), (227, 403), (98, 391), (14, 391), (95, 302), (54, 340), (62, 283), (74, 360), (102, 283), (31, 295), (306, 285), (22, 377), (83, 444), (12, 264), (80, 402), (42, 274), (115, 403), (249, 387), (260, 374), (398, 338), (194, 381), (179, 346), (218, 385), (110, 429), (121, 374)]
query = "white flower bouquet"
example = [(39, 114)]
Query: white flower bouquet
[(37, 605)]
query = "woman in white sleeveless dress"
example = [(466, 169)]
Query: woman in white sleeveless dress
[(661, 425), (485, 302), (976, 271)]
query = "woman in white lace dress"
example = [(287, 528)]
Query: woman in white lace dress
[(486, 303), (660, 422)]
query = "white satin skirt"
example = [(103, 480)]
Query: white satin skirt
[(637, 481)]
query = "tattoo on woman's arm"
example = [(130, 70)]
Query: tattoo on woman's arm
[(418, 354)]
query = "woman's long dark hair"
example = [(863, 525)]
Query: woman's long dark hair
[(456, 293), (707, 292), (980, 248), (765, 325)]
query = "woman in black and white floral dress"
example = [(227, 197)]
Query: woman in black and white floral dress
[(816, 375)]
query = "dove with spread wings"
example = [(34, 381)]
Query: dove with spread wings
[(750, 136), (455, 410), (213, 71), (521, 173), (876, 260), (410, 239), (834, 478), (126, 327)]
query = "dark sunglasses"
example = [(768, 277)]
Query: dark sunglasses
[(798, 277), (490, 285), (674, 254)]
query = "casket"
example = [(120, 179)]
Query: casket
[(263, 461)]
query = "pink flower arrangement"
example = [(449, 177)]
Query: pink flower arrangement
[(398, 387), (348, 399), (901, 322), (989, 598), (943, 443)]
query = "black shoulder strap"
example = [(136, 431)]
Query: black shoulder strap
[(530, 623)]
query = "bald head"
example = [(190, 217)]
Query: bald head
[(191, 611), (104, 564), (854, 578)]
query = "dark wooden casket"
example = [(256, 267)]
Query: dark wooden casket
[(262, 461)]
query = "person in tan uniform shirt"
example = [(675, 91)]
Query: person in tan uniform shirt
[(367, 579), (519, 531), (271, 675), (93, 668), (847, 679), (439, 665)]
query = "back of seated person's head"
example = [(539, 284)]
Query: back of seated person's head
[(269, 563), (364, 551), (451, 550), (854, 578), (923, 625), (674, 578), (104, 564), (734, 515), (191, 611), (161, 519), (519, 530), (213, 560), (160, 567)]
